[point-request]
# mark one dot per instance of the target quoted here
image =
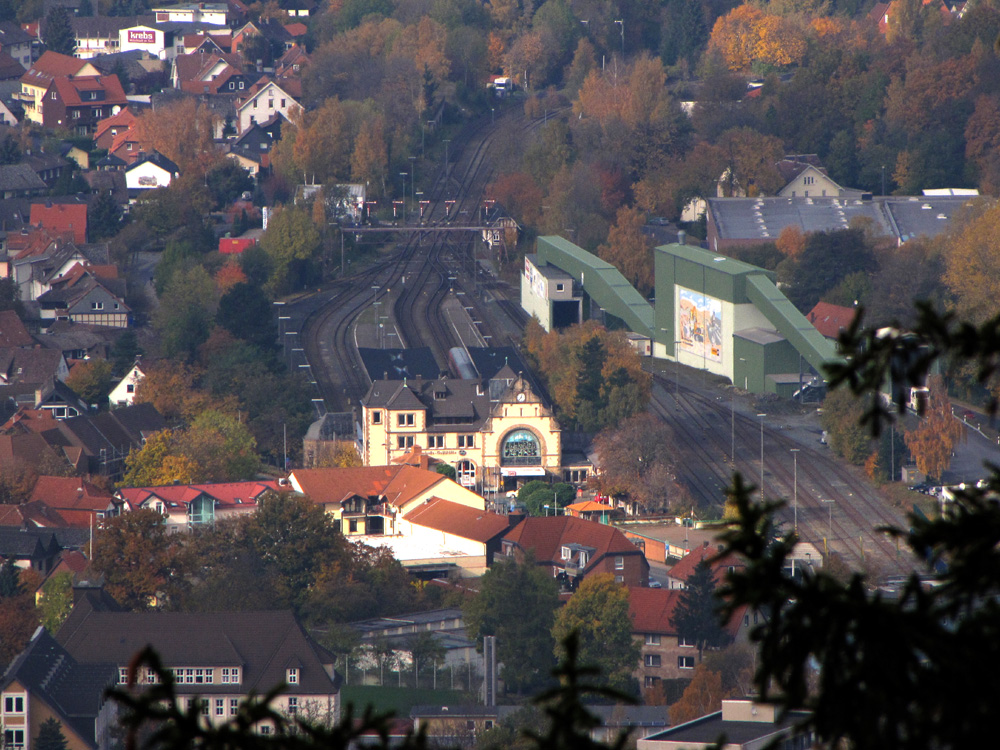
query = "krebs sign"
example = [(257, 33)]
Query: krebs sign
[(141, 37)]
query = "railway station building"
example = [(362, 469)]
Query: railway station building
[(496, 432)]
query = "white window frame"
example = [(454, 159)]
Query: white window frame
[(292, 675), (652, 639), (653, 661), (685, 662)]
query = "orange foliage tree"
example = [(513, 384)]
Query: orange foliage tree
[(519, 194), (184, 132), (630, 250), (703, 696), (747, 35), (934, 440)]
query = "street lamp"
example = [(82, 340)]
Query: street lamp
[(413, 174), (621, 22), (761, 418), (795, 488), (403, 175)]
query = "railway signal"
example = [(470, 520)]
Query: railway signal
[(447, 209), (394, 205)]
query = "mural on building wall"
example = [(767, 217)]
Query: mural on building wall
[(699, 324)]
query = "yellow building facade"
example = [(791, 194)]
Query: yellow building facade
[(496, 433)]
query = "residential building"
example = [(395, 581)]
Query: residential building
[(446, 626), (678, 574), (36, 82), (20, 181), (123, 394), (29, 548), (18, 43), (62, 91), (746, 725), (220, 657), (100, 35), (805, 175), (372, 500), (7, 117), (216, 14), (78, 502), (150, 171), (88, 295), (263, 101), (573, 549), (494, 432), (45, 682), (108, 129), (439, 538), (187, 506)]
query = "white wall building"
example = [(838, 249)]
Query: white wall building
[(123, 394)]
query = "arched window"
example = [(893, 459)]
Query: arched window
[(466, 471), (520, 448)]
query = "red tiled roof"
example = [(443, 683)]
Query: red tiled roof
[(226, 494), (829, 319), (296, 29), (686, 565), (70, 90), (651, 610), (125, 118), (62, 217), (397, 484), (459, 520), (53, 64), (546, 536), (70, 493)]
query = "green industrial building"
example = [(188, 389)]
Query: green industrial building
[(711, 312)]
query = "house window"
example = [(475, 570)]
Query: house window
[(652, 660), (559, 287), (241, 85), (685, 662), (619, 563), (684, 642), (651, 682), (352, 526), (128, 146), (13, 739), (435, 441), (122, 677), (652, 639), (293, 705), (466, 441), (619, 579), (404, 420), (204, 708), (234, 706), (220, 706), (376, 417), (404, 441), (230, 675), (565, 553), (292, 676), (53, 95), (14, 704), (282, 103), (96, 305), (76, 114), (265, 729)]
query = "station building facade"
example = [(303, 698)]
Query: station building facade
[(497, 433)]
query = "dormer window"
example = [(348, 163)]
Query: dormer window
[(565, 553), (292, 676), (440, 395)]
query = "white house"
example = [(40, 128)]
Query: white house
[(123, 394), (152, 170), (265, 100), (156, 42), (6, 116), (210, 13)]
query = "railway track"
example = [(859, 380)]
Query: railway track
[(837, 510)]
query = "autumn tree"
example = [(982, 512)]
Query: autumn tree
[(747, 35), (370, 158), (630, 250), (133, 553), (91, 380), (972, 262), (172, 388), (184, 132), (701, 697), (519, 194), (752, 158), (933, 442), (517, 603), (636, 457), (599, 613)]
